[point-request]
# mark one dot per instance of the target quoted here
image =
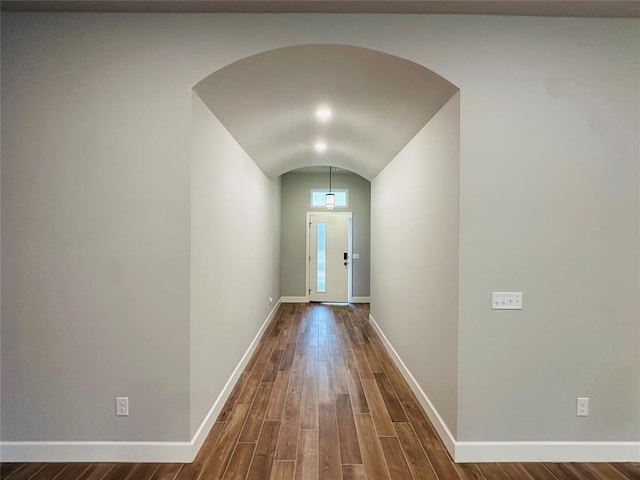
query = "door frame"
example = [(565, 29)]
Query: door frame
[(307, 228)]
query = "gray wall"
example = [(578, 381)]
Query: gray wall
[(96, 124), (549, 188), (235, 247), (296, 201), (95, 226), (414, 257)]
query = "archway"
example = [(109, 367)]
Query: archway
[(395, 123)]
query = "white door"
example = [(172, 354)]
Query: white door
[(329, 257)]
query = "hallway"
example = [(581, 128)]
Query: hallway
[(321, 399)]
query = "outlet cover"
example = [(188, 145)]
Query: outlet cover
[(506, 300), (582, 407), (122, 406)]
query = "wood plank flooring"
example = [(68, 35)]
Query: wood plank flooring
[(321, 400)]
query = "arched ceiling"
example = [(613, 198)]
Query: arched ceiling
[(268, 103)]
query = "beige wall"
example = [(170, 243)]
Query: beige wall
[(235, 246), (296, 191), (414, 236), (96, 125)]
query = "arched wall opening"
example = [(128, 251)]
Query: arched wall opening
[(396, 124)]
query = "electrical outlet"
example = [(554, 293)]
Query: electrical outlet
[(506, 300), (270, 300), (582, 407), (122, 406)]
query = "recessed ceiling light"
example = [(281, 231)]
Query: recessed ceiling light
[(324, 114), (320, 146)]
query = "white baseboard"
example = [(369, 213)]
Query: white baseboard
[(478, 452), (437, 421), (141, 452), (294, 299), (360, 300)]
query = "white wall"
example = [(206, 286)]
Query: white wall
[(96, 118), (235, 256), (414, 257), (296, 201)]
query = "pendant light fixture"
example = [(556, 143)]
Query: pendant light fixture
[(330, 198)]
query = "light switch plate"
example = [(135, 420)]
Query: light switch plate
[(506, 300)]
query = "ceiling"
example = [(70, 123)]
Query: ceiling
[(379, 102), (553, 8)]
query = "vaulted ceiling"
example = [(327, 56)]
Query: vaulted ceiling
[(378, 102)]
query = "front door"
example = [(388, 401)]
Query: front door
[(329, 262)]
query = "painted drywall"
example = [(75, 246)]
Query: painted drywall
[(296, 201), (235, 256), (95, 246), (414, 257), (549, 187), (96, 119)]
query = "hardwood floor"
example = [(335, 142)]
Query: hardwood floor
[(322, 399)]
